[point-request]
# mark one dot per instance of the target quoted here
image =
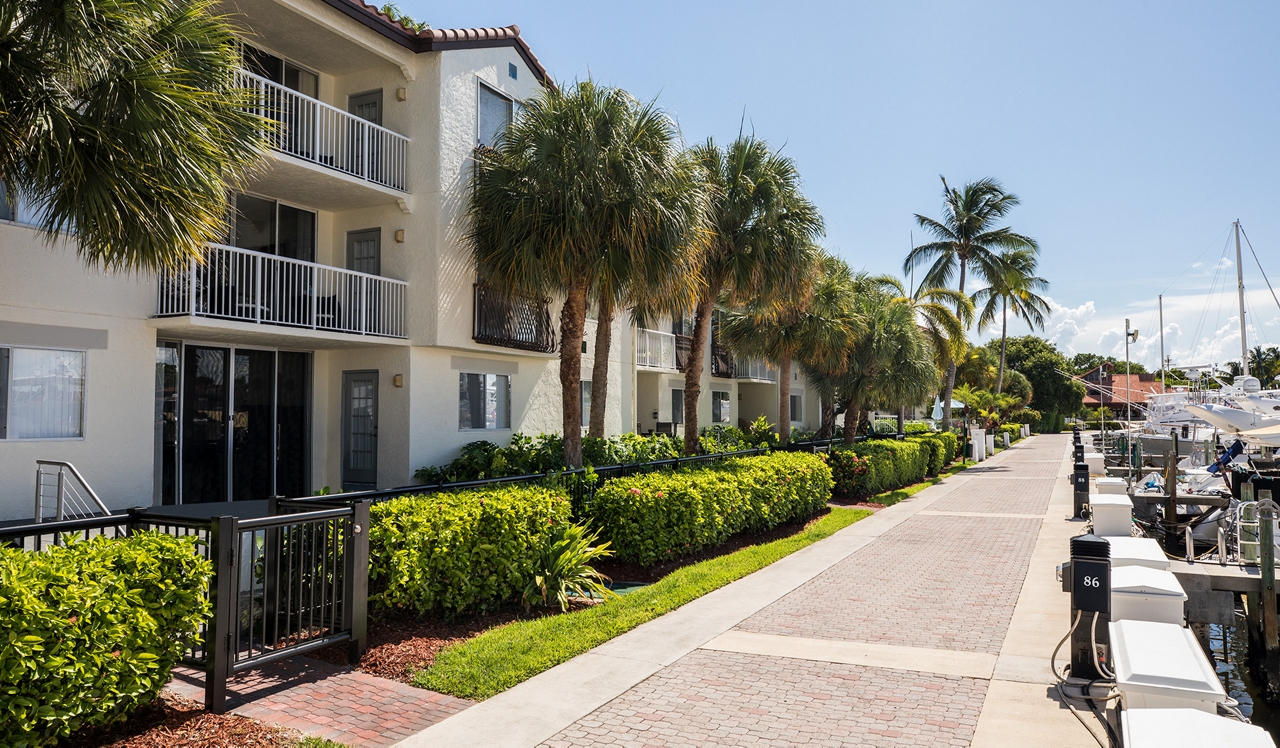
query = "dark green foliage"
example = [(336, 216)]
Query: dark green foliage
[(936, 452), (662, 516), (1042, 365), (1083, 363), (457, 552), (1052, 423), (90, 631), (563, 567), (879, 465)]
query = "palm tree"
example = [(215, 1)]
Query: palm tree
[(761, 233), (121, 122), (585, 189), (943, 328), (966, 235), (816, 323), (1012, 289)]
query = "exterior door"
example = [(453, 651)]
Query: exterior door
[(367, 106), (206, 418), (364, 251), (359, 430)]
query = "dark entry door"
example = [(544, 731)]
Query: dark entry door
[(205, 421), (364, 251), (359, 430), (367, 106), (253, 424)]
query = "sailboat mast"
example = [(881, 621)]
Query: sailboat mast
[(1160, 302), (1244, 345)]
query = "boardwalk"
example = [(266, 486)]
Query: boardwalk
[(928, 624)]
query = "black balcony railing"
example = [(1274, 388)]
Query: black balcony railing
[(722, 362), (684, 344), (512, 321)]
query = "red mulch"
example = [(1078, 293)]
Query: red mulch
[(401, 644), (175, 722), (849, 503)]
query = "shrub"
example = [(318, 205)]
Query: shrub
[(90, 631), (847, 469), (918, 427), (950, 444), (458, 552), (1013, 430), (936, 453), (564, 566), (661, 516), (1026, 415), (890, 464)]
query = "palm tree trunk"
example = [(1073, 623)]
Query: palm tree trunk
[(784, 399), (902, 420), (572, 317), (1004, 338), (951, 371), (600, 369), (851, 418), (828, 417), (693, 370)]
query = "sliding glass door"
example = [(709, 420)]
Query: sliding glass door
[(245, 418)]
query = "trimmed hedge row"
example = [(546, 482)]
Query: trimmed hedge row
[(661, 516), (879, 465), (458, 552), (90, 631)]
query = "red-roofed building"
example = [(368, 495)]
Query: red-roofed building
[(1115, 391)]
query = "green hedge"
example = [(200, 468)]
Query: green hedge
[(1013, 430), (889, 464), (90, 631), (937, 452), (660, 516), (456, 552)]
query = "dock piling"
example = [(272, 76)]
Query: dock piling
[(1267, 558)]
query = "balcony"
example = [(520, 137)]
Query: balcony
[(242, 286), (655, 350), (684, 344), (516, 322), (369, 164), (722, 362), (756, 370)]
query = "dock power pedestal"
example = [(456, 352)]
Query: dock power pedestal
[(1090, 596), (1080, 489)]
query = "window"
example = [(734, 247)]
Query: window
[(797, 412), (279, 70), (682, 324), (266, 226), (41, 393), (484, 401), (584, 402), (364, 251), (511, 70), (677, 406), (7, 212), (496, 112), (719, 407)]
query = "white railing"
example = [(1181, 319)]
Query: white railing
[(655, 350), (754, 368), (67, 491), (322, 134), (254, 287)]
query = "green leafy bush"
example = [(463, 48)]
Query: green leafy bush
[(1013, 430), (564, 566), (458, 552), (950, 444), (936, 453), (660, 516), (890, 464), (1026, 415), (90, 631)]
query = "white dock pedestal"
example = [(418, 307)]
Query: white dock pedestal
[(1112, 515), (1142, 594), (1115, 486), (1129, 551), (1164, 728)]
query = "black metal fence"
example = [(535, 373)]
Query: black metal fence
[(282, 585)]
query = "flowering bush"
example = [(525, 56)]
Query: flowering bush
[(659, 516)]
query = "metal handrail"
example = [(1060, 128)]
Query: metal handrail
[(79, 503), (655, 349)]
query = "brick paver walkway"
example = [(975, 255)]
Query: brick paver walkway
[(933, 582), (328, 701)]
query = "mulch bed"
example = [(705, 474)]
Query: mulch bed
[(175, 722), (851, 503), (401, 643)]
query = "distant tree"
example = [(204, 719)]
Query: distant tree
[(1017, 385), (977, 368), (1084, 363), (1012, 289)]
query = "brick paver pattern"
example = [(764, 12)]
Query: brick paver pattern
[(710, 698), (328, 701), (933, 581), (1010, 496)]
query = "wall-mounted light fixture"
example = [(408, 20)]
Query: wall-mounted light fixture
[(402, 94), (398, 380), (399, 236)]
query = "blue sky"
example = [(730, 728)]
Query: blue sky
[(1135, 133)]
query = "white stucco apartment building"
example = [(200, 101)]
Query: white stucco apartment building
[(338, 338)]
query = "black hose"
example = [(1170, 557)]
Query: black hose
[(1101, 715)]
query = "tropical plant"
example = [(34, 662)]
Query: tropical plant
[(122, 123), (1264, 363), (392, 11), (760, 240), (1054, 390), (1012, 289), (563, 567), (989, 407), (585, 181), (966, 239), (817, 321)]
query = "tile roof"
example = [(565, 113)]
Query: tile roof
[(437, 40)]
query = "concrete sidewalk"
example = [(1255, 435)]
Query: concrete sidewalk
[(911, 627)]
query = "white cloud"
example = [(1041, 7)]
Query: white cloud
[(1065, 324)]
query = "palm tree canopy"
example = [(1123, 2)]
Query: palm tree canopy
[(1014, 285), (943, 315), (892, 362), (761, 226), (586, 185), (121, 122), (967, 233)]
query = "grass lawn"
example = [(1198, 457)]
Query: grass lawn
[(502, 657)]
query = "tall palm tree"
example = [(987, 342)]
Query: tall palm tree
[(966, 236), (761, 234), (943, 328), (1012, 289), (121, 122), (585, 188), (816, 323)]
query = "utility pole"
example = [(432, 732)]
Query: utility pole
[(1160, 301), (1244, 345)]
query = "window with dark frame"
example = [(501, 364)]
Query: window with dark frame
[(41, 393), (720, 409), (484, 401), (677, 406), (495, 114)]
